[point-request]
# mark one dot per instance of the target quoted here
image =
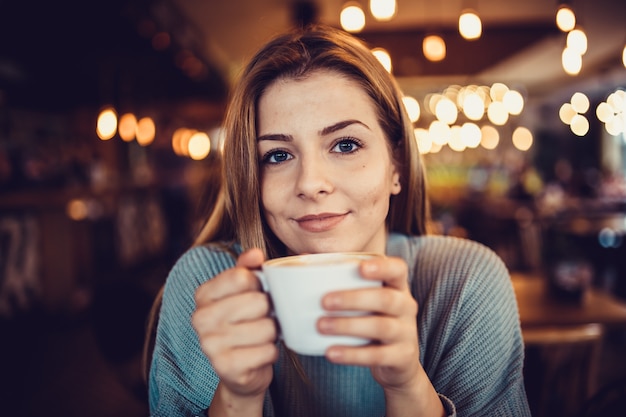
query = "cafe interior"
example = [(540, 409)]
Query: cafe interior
[(110, 143)]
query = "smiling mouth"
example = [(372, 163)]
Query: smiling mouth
[(320, 222)]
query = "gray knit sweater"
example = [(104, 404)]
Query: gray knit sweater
[(469, 337)]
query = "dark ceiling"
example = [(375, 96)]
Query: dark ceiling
[(56, 55)]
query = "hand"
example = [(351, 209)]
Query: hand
[(393, 357), (235, 330)]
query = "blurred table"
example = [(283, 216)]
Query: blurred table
[(537, 307)]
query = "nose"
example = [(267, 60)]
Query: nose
[(314, 178)]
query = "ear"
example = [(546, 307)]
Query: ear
[(395, 183)]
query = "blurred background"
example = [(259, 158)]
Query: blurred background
[(110, 141)]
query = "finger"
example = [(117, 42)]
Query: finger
[(391, 356), (238, 365), (381, 328), (238, 308), (383, 300), (251, 259), (391, 270), (234, 280), (242, 335)]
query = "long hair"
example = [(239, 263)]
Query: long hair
[(237, 215)]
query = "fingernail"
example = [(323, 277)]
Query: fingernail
[(333, 354), (325, 325), (331, 301)]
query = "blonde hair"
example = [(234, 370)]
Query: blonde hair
[(237, 214)]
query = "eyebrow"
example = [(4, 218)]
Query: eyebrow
[(325, 131)]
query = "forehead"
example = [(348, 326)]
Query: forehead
[(321, 91)]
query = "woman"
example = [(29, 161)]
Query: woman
[(320, 157)]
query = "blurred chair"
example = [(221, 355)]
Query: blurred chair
[(610, 400), (561, 368)]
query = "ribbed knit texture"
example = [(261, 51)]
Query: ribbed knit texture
[(469, 336)]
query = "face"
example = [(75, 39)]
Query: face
[(326, 169)]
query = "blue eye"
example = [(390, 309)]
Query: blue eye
[(346, 146), (276, 157)]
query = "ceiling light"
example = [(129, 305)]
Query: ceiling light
[(439, 132), (580, 102), (522, 138), (513, 101), (106, 125), (352, 18), (446, 111), (383, 57), (470, 26), (579, 125), (572, 61), (456, 142), (383, 10), (473, 106), (497, 113), (489, 137), (567, 113), (412, 108), (471, 135), (577, 41), (127, 127), (565, 18), (434, 48)]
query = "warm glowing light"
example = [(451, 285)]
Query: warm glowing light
[(617, 101), (424, 143), (566, 113), (497, 113), (473, 106), (513, 102), (107, 124), (77, 209), (565, 18), (470, 26), (446, 111), (199, 146), (471, 135), (146, 131), (180, 140), (577, 41), (412, 108), (616, 125), (580, 103), (456, 142), (352, 18), (383, 57), (439, 132), (434, 48), (522, 138), (624, 56), (489, 137), (127, 127), (383, 10), (497, 91), (572, 61), (604, 112), (579, 125)]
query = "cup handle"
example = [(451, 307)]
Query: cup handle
[(263, 279)]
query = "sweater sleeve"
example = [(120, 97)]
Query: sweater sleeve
[(182, 381), (470, 336)]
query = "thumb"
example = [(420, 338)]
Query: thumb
[(251, 259)]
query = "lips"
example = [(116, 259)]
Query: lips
[(320, 222)]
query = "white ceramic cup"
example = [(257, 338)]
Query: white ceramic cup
[(296, 285)]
